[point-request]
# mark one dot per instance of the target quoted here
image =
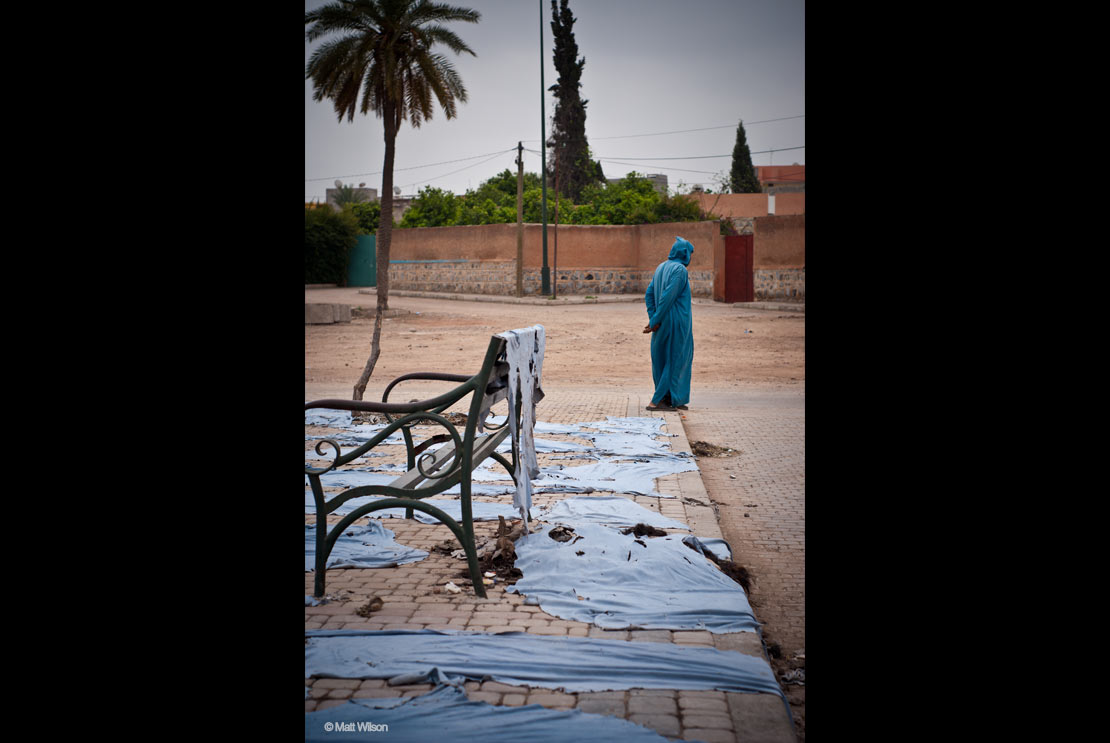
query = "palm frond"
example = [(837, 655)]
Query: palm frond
[(385, 57)]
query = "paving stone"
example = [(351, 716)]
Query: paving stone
[(713, 736), (702, 705), (552, 699), (376, 694), (667, 725), (497, 686), (761, 717), (703, 719), (337, 683), (489, 697), (611, 707), (648, 705)]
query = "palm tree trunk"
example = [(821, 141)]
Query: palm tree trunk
[(385, 235)]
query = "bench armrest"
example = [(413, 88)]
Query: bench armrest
[(433, 376)]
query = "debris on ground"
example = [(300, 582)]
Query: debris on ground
[(360, 417), (496, 556), (562, 534), (371, 606), (452, 588), (644, 530), (796, 676), (705, 449), (446, 547), (341, 595), (738, 573)]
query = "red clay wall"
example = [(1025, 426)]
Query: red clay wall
[(606, 246), (592, 258)]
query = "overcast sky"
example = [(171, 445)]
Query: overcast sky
[(653, 67)]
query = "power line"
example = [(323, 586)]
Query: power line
[(706, 157), (495, 156), (414, 167), (661, 167), (684, 131), (704, 129)]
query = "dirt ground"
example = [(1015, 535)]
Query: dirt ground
[(588, 345)]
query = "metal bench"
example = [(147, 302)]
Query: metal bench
[(429, 472)]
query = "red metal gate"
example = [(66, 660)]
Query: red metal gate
[(739, 282)]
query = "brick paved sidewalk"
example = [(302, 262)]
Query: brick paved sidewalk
[(414, 599), (760, 497)]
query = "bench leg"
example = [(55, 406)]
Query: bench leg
[(321, 536), (321, 558), (467, 524)]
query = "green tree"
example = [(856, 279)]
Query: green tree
[(368, 214), (432, 207), (329, 238), (385, 51), (742, 178), (571, 164)]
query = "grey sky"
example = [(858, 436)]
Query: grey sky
[(652, 66)]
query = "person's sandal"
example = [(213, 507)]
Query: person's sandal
[(659, 407)]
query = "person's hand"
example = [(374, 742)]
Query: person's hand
[(649, 329)]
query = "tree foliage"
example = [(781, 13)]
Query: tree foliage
[(571, 165), (368, 216), (742, 177), (329, 238), (631, 200)]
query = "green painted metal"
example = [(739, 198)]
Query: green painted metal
[(362, 268), (455, 471)]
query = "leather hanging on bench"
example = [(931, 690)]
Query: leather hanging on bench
[(524, 349)]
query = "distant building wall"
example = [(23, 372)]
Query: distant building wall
[(782, 178), (366, 194), (730, 205), (658, 182)]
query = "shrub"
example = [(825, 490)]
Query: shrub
[(368, 215), (432, 207), (329, 238)]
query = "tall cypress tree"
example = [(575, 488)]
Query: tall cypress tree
[(571, 153), (742, 179)]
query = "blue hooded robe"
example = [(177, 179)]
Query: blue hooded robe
[(672, 345)]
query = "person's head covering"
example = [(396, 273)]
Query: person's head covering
[(682, 251)]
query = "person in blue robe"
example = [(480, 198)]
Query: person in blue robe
[(671, 324)]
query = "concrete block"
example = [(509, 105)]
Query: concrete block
[(325, 314)]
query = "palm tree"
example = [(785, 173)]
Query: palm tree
[(383, 51)]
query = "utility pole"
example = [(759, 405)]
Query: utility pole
[(555, 278), (545, 275), (519, 219)]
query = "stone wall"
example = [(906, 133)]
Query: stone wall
[(779, 283), (499, 277)]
